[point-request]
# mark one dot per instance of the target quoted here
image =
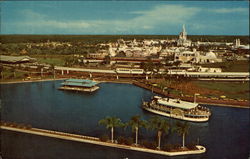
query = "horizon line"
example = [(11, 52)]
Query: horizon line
[(125, 34)]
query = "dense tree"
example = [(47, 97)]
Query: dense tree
[(111, 123), (182, 129), (40, 68), (135, 122), (107, 59), (160, 125), (52, 67), (13, 70)]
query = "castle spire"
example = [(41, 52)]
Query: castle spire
[(183, 28)]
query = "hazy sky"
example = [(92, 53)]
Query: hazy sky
[(125, 17)]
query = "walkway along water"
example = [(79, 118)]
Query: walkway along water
[(94, 140)]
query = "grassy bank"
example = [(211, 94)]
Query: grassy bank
[(234, 90), (57, 60), (231, 66)]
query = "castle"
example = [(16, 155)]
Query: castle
[(183, 41)]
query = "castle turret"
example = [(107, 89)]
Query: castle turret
[(182, 41)]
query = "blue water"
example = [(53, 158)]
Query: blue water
[(40, 104)]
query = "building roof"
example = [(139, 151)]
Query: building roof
[(14, 59), (211, 55), (79, 82), (177, 103)]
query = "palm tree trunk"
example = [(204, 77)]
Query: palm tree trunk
[(136, 135), (159, 139), (41, 72), (183, 140), (54, 74), (112, 134)]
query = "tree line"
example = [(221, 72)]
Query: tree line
[(160, 125), (95, 39)]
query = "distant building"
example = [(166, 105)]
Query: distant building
[(186, 56), (97, 55), (237, 45), (16, 59), (195, 57)]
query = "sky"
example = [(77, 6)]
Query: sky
[(125, 17)]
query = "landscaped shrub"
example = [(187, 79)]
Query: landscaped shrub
[(104, 138), (176, 146), (121, 140), (192, 146), (145, 143), (167, 147), (148, 144), (129, 141)]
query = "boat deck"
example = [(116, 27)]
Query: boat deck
[(83, 89)]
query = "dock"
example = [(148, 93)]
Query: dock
[(94, 140), (82, 85)]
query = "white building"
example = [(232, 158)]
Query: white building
[(195, 57)]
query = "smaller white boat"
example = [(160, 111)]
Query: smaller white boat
[(178, 109)]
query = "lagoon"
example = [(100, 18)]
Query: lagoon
[(41, 105)]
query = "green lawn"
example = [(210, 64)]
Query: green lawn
[(8, 74), (230, 89), (231, 66), (55, 60)]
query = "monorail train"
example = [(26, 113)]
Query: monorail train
[(232, 75), (130, 70)]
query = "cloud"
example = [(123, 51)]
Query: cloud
[(31, 15), (230, 10), (170, 14), (167, 15)]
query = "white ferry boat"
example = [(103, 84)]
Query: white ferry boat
[(175, 108)]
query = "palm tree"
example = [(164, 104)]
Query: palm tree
[(182, 129), (160, 125), (135, 123), (107, 59), (13, 69), (40, 68), (177, 63), (111, 122), (1, 70), (52, 66)]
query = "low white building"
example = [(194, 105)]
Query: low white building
[(196, 57), (209, 57)]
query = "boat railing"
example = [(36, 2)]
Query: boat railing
[(196, 112)]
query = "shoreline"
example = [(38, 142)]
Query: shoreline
[(225, 105), (35, 80), (234, 104)]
